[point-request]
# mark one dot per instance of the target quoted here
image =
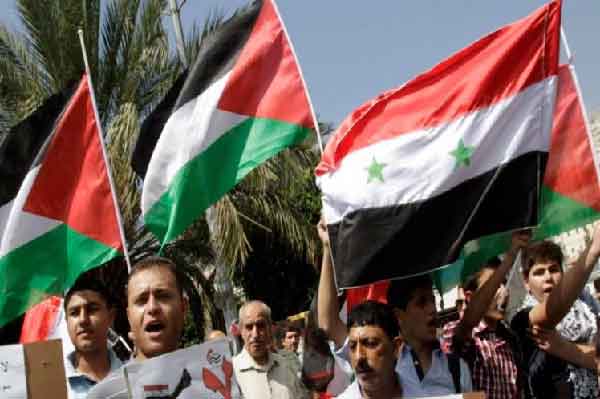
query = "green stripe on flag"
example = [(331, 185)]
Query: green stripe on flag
[(561, 213), (215, 171), (47, 265), (558, 214)]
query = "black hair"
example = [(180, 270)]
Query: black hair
[(87, 282), (542, 251), (471, 283), (160, 262), (373, 313), (401, 292)]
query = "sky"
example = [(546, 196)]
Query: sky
[(350, 50)]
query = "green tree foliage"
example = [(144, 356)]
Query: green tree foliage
[(133, 64)]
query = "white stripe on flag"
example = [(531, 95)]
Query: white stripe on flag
[(189, 131), (419, 164), (22, 227)]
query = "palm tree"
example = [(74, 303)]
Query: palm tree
[(132, 67)]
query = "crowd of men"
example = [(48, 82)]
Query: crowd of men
[(388, 350)]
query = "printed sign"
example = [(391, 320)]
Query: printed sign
[(200, 371), (13, 382)]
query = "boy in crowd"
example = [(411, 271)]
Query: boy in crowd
[(481, 336), (552, 300)]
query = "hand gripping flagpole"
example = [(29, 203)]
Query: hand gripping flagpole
[(103, 145)]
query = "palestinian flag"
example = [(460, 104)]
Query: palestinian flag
[(570, 193), (455, 154), (60, 219), (243, 101)]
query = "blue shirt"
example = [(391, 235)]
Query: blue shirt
[(79, 384), (437, 381)]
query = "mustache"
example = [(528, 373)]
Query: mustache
[(362, 367)]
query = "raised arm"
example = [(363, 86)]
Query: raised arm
[(480, 300), (550, 312), (327, 303), (550, 341)]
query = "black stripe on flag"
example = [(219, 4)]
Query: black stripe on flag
[(218, 54), (24, 141), (400, 241)]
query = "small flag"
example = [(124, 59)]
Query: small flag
[(242, 103), (455, 154), (62, 219)]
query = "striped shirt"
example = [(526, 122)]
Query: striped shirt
[(492, 355)]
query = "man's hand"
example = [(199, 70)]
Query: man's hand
[(548, 340), (323, 233), (519, 240), (552, 342), (595, 244)]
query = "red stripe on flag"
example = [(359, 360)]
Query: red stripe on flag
[(494, 68), (40, 320), (72, 184), (570, 170), (375, 292), (265, 73)]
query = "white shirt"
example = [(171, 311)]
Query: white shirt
[(274, 380)]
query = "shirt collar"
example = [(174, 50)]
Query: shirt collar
[(71, 367), (246, 362), (406, 348)]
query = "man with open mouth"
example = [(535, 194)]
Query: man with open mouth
[(552, 303), (156, 309)]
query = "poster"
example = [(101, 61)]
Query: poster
[(200, 371)]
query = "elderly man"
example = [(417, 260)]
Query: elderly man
[(374, 346), (156, 310), (260, 373)]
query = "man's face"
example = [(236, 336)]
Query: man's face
[(542, 279), (418, 321), (291, 341), (256, 332), (88, 320), (156, 311), (373, 356)]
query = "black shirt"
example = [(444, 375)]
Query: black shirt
[(547, 375)]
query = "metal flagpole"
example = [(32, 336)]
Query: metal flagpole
[(103, 145), (178, 32)]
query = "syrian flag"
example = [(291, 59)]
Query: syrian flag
[(455, 154), (60, 219), (242, 102), (570, 195)]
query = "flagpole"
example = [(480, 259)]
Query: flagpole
[(310, 105), (103, 145), (178, 32), (588, 129)]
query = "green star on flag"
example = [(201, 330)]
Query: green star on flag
[(462, 154), (375, 171)]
